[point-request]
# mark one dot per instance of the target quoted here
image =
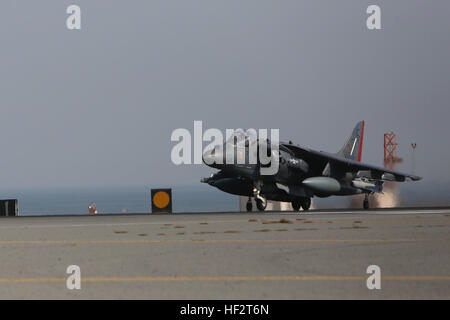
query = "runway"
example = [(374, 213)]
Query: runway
[(273, 255)]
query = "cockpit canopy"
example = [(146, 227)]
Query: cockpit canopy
[(242, 138)]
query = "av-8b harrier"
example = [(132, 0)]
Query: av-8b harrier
[(302, 173)]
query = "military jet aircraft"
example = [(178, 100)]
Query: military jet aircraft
[(302, 173)]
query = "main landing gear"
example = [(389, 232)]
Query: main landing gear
[(305, 204), (366, 201)]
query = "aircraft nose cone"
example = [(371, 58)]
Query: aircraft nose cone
[(208, 157), (212, 158)]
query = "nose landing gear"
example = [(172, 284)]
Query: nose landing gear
[(249, 205), (261, 202)]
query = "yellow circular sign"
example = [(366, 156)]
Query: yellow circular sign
[(161, 199)]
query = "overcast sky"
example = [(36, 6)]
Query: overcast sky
[(96, 107)]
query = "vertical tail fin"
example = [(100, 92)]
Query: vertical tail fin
[(353, 148)]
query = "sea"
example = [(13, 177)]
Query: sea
[(195, 198), (117, 200)]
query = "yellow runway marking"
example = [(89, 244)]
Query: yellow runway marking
[(123, 224), (225, 278), (310, 218), (142, 241), (362, 222)]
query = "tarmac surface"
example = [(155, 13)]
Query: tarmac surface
[(272, 255)]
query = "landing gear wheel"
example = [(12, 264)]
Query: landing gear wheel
[(366, 202), (261, 203), (296, 205), (306, 204), (249, 205)]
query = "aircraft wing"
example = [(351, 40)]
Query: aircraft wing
[(321, 158)]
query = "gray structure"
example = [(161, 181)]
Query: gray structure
[(9, 207)]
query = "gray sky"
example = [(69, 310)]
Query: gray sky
[(96, 107)]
